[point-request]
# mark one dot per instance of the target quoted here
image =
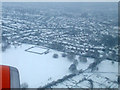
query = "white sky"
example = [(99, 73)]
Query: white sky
[(59, 0)]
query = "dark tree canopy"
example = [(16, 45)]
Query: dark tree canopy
[(109, 41), (55, 55), (72, 67)]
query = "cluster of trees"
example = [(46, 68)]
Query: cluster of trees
[(56, 55), (57, 46), (109, 41), (71, 57), (93, 66), (73, 66)]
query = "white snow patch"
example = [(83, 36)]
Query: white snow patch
[(36, 70)]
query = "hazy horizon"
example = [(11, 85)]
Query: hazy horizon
[(59, 0)]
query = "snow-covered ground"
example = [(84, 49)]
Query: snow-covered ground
[(104, 77), (39, 69), (98, 80), (110, 70), (35, 69)]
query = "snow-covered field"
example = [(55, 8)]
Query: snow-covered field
[(35, 69), (39, 69)]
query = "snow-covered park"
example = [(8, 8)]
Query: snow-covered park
[(39, 69), (35, 69)]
